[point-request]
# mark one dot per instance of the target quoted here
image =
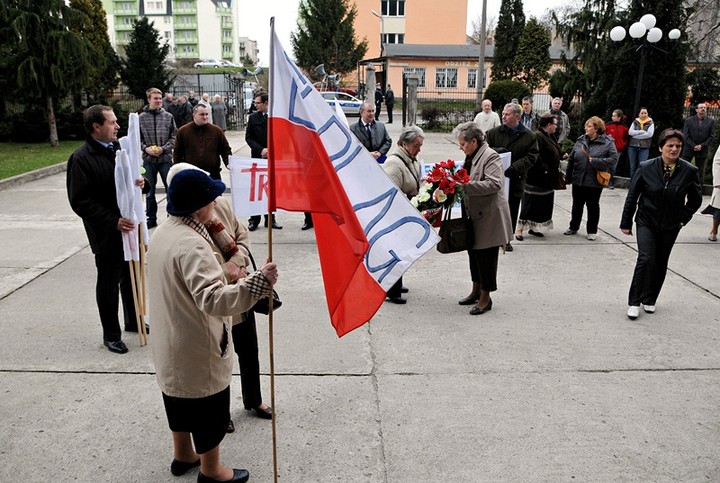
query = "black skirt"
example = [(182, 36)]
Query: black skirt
[(206, 418)]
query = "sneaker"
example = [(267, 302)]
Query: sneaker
[(633, 312), (569, 231), (592, 236), (649, 309)]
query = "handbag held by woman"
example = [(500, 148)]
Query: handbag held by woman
[(456, 235)]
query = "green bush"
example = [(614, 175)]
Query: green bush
[(431, 116), (504, 91)]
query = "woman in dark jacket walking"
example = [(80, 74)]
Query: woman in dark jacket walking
[(539, 197), (666, 193), (593, 151)]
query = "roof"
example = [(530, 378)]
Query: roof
[(430, 51)]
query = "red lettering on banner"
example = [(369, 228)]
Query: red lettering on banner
[(258, 182)]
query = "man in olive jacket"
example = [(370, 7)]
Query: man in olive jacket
[(515, 138)]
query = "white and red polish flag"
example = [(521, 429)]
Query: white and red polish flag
[(368, 233)]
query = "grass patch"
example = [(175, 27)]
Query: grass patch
[(19, 158)]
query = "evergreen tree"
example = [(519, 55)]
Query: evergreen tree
[(705, 84), (48, 60), (92, 26), (326, 35), (507, 38), (533, 55), (144, 65)]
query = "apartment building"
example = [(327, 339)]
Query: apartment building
[(195, 29), (248, 47)]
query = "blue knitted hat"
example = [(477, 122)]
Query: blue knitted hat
[(190, 190)]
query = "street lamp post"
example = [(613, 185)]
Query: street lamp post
[(480, 79), (644, 29), (382, 28)]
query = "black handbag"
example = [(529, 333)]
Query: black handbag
[(262, 306), (456, 235)]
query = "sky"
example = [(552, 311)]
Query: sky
[(255, 22)]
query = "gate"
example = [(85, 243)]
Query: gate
[(230, 88)]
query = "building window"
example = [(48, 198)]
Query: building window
[(418, 71), (472, 78), (227, 49), (445, 77), (393, 38), (168, 34), (127, 6), (393, 8)]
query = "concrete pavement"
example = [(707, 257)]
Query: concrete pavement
[(553, 384)]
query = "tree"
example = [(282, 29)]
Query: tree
[(533, 55), (504, 91), (474, 37), (705, 84), (507, 38), (326, 35), (92, 26), (48, 59), (145, 63)]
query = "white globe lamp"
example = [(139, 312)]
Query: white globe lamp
[(648, 20), (617, 34), (637, 30)]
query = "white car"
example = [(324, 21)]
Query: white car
[(349, 104), (208, 63), (227, 63)]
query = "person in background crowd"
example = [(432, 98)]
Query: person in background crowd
[(487, 118), (714, 207), (617, 129), (520, 142), (157, 138), (219, 112), (529, 118), (379, 98), (256, 137), (91, 192), (593, 151), (167, 101), (665, 192), (485, 205), (192, 308), (185, 110), (563, 129), (539, 196), (192, 99), (403, 168), (202, 144), (372, 133), (698, 131), (641, 132), (389, 102)]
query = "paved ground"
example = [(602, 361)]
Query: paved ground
[(554, 384)]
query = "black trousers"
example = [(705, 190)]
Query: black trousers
[(245, 343), (389, 108), (378, 108), (654, 249), (256, 219), (585, 196), (113, 279), (483, 267), (395, 291)]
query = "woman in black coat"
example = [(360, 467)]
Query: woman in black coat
[(666, 193)]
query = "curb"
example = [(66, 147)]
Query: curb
[(21, 179)]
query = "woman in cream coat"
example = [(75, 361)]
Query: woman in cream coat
[(485, 204), (714, 207), (191, 308)]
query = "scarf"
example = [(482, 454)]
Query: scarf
[(222, 238)]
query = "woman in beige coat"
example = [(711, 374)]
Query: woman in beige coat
[(403, 168), (191, 308), (485, 204), (714, 206)]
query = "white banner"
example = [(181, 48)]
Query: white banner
[(248, 184)]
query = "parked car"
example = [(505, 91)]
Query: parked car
[(227, 63), (349, 104), (326, 88), (208, 63)]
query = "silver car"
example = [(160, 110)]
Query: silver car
[(208, 63), (349, 104)]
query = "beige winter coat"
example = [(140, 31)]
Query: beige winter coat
[(715, 199), (404, 171), (485, 200), (190, 310)]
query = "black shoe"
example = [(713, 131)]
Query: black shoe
[(230, 427), (477, 310), (276, 226), (151, 224), (306, 226), (116, 346), (508, 247), (397, 300), (135, 329), (179, 468), (519, 237), (238, 475), (469, 300), (404, 290), (253, 225), (536, 233), (261, 413)]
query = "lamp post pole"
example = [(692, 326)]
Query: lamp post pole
[(479, 81), (382, 28)]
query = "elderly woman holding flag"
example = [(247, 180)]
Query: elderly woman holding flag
[(191, 310)]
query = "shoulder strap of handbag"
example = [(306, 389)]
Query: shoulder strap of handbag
[(247, 249)]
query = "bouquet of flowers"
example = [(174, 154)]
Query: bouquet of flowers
[(442, 189)]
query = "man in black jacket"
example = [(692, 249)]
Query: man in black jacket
[(699, 131), (256, 138), (91, 191), (389, 102)]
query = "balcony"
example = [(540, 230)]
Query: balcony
[(123, 27), (191, 10), (123, 12), (186, 40), (186, 26)]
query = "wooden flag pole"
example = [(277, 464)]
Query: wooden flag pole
[(272, 360), (133, 282), (141, 291)]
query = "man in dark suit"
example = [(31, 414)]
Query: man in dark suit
[(379, 98), (256, 138), (698, 131), (389, 102), (91, 192), (371, 133)]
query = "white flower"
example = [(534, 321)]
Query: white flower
[(423, 197), (414, 201), (439, 196)]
